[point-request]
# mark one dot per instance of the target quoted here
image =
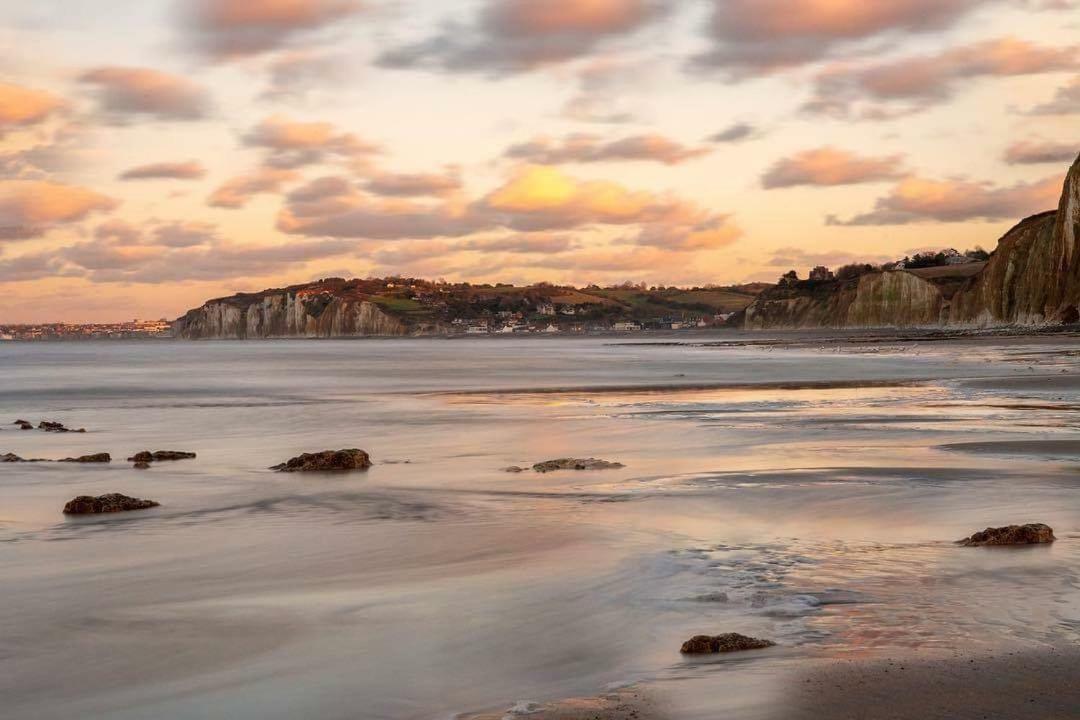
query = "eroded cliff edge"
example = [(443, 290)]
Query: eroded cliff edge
[(330, 308), (1032, 278)]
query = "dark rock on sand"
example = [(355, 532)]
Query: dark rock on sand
[(113, 502), (48, 426), (575, 464), (24, 424), (513, 469), (1030, 534), (146, 456), (327, 460), (728, 642), (95, 458)]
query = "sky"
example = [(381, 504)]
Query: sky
[(158, 153)]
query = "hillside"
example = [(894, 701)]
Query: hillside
[(1031, 278), (335, 307)]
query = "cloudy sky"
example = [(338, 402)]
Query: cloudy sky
[(156, 153)]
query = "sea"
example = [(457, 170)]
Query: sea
[(804, 488)]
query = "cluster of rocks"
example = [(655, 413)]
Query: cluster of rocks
[(568, 464), (326, 461), (47, 426)]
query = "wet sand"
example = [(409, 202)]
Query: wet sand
[(1040, 685)]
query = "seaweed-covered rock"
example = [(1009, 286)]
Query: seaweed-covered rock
[(95, 458), (146, 456), (327, 460), (575, 464), (1030, 534), (728, 642), (113, 502)]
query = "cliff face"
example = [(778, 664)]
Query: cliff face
[(291, 312), (1032, 278), (896, 298)]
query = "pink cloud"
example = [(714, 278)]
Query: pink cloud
[(586, 148), (1034, 152), (187, 170), (22, 106), (291, 143), (226, 29), (28, 208), (830, 166), (136, 91), (235, 192)]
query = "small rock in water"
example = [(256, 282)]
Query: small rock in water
[(1030, 534), (146, 456), (95, 458), (113, 502), (327, 460), (141, 465), (48, 426), (513, 469), (728, 642), (12, 458), (575, 464), (717, 597), (24, 424)]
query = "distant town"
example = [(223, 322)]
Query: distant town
[(130, 330)]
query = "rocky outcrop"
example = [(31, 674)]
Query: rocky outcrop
[(24, 424), (326, 461), (111, 503), (13, 458), (95, 458), (728, 642), (332, 308), (574, 464), (1030, 534), (145, 456), (48, 426), (1032, 278)]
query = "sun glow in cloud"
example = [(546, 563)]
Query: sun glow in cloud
[(230, 145)]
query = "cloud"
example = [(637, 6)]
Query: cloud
[(534, 199), (830, 166), (65, 148), (22, 106), (118, 232), (228, 29), (602, 83), (180, 234), (888, 89), (237, 191), (525, 243), (188, 170), (295, 73), (28, 208), (33, 266), (513, 36), (585, 148), (734, 133), (1066, 101), (1034, 152), (760, 36), (135, 91), (918, 200), (293, 144), (413, 184)]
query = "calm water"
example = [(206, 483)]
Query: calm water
[(807, 494)]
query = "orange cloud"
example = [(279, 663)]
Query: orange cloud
[(292, 144), (225, 29), (586, 148), (124, 91), (1066, 101), (237, 191), (413, 184), (189, 170), (28, 208), (913, 83), (920, 200), (21, 106), (830, 166)]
